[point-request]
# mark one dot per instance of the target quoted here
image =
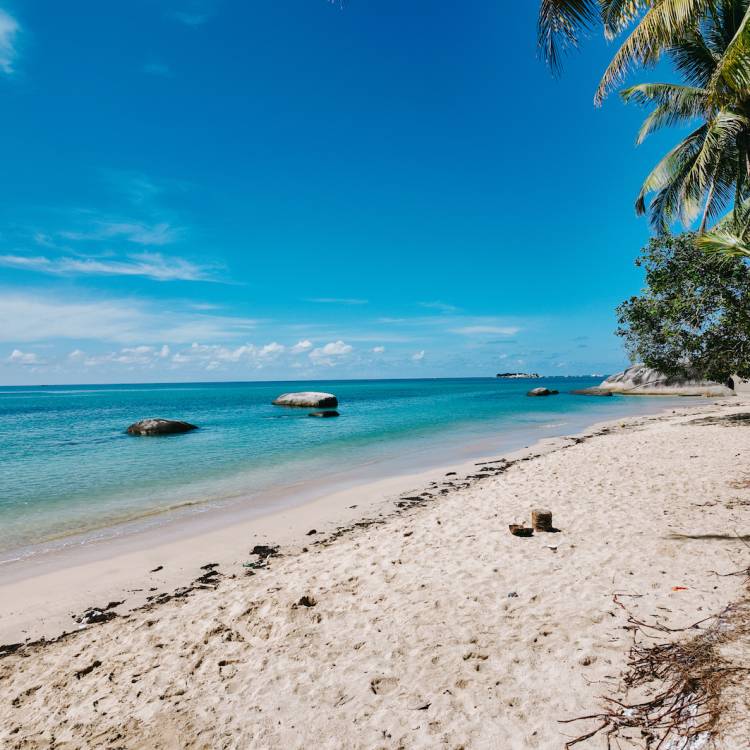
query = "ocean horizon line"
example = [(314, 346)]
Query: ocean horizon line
[(303, 380)]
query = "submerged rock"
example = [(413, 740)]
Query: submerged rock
[(160, 427), (542, 392), (315, 399), (591, 392), (324, 414), (640, 380)]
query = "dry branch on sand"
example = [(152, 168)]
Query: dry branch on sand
[(680, 684)]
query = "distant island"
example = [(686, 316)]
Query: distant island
[(518, 375)]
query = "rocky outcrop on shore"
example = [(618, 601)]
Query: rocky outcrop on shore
[(640, 380), (160, 427), (313, 399)]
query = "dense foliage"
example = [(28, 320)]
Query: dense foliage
[(693, 317)]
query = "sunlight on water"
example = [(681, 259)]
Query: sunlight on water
[(68, 466)]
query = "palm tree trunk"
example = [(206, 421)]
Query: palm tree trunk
[(709, 198)]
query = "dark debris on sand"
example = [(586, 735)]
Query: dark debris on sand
[(212, 577)]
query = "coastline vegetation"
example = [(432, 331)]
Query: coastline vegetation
[(694, 313)]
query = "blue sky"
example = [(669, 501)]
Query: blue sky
[(217, 189)]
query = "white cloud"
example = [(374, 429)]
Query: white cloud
[(338, 301), (44, 239), (479, 330), (330, 354), (18, 357), (151, 265), (136, 355), (9, 27), (203, 306), (335, 348), (162, 233), (131, 356), (215, 356), (271, 350), (378, 349), (418, 356), (301, 346), (464, 325), (440, 306), (27, 317), (137, 187)]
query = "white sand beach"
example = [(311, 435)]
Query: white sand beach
[(415, 620)]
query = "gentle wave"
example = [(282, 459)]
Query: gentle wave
[(69, 468)]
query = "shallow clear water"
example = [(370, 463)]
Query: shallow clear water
[(68, 467)]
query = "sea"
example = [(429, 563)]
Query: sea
[(70, 473)]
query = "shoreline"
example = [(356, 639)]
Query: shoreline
[(425, 623), (63, 583), (238, 493)]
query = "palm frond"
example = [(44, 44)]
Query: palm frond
[(733, 69), (713, 166), (659, 29), (724, 242), (667, 180), (618, 14), (694, 59), (559, 25), (731, 234), (675, 104)]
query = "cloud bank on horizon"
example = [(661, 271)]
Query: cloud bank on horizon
[(177, 218)]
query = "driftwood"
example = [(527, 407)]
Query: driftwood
[(682, 681)]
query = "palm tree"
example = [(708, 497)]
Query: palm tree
[(708, 170), (658, 25), (709, 44)]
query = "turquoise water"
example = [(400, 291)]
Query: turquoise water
[(67, 466)]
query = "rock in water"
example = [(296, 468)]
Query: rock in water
[(160, 427), (307, 398), (640, 380), (542, 392), (324, 414), (591, 392)]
